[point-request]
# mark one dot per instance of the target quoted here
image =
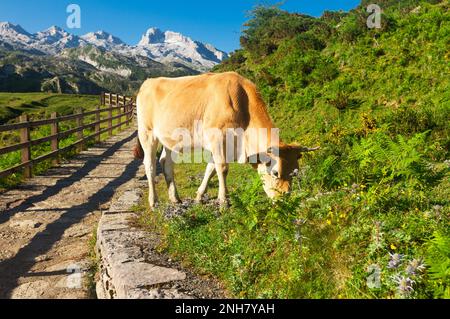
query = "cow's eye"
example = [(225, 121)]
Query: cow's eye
[(275, 174)]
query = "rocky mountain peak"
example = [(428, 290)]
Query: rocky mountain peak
[(167, 47)]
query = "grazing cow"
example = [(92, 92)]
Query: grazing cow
[(220, 102)]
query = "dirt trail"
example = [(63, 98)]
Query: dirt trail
[(46, 223)]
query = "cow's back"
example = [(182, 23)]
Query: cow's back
[(217, 100)]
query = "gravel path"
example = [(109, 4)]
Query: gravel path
[(46, 223)]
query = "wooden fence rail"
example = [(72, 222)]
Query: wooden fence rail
[(123, 105)]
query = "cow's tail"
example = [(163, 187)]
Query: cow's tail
[(138, 150)]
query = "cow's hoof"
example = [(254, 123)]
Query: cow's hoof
[(224, 204), (199, 199), (153, 206), (176, 201)]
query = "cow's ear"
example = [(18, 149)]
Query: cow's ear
[(302, 149), (297, 150)]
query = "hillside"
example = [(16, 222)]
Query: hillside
[(41, 105), (369, 214)]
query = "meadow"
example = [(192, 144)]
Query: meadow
[(369, 214)]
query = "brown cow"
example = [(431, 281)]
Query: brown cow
[(219, 102)]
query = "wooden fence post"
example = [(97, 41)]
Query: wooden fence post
[(97, 126), (127, 109), (119, 111), (102, 98), (80, 146), (130, 116), (26, 150), (110, 123), (55, 139)]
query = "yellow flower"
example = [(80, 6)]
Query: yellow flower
[(329, 222), (393, 247)]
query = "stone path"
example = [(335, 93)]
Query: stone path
[(131, 264), (46, 223)]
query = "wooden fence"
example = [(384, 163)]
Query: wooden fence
[(109, 103)]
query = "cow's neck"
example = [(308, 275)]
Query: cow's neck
[(260, 119)]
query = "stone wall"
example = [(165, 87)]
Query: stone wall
[(124, 272)]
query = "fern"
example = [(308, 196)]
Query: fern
[(381, 159), (438, 260)]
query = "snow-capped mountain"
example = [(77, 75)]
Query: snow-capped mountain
[(102, 39), (165, 47), (172, 46), (54, 40), (14, 34), (51, 41)]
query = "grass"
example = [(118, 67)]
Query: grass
[(13, 105), (92, 273), (308, 245)]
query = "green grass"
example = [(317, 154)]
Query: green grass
[(94, 262), (374, 201), (13, 105)]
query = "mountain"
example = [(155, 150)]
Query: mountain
[(104, 40), (171, 46), (58, 61), (54, 40), (15, 35), (165, 47)]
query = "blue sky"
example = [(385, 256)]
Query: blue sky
[(215, 22)]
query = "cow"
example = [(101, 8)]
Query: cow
[(220, 101)]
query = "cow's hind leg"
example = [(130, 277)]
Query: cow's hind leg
[(150, 146), (166, 162)]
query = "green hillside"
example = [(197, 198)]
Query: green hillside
[(13, 105), (369, 214)]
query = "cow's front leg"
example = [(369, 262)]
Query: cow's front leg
[(150, 146), (222, 172), (209, 173)]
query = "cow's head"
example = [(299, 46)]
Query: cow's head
[(277, 167)]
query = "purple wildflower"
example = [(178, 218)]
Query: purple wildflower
[(396, 260), (415, 266), (405, 285)]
